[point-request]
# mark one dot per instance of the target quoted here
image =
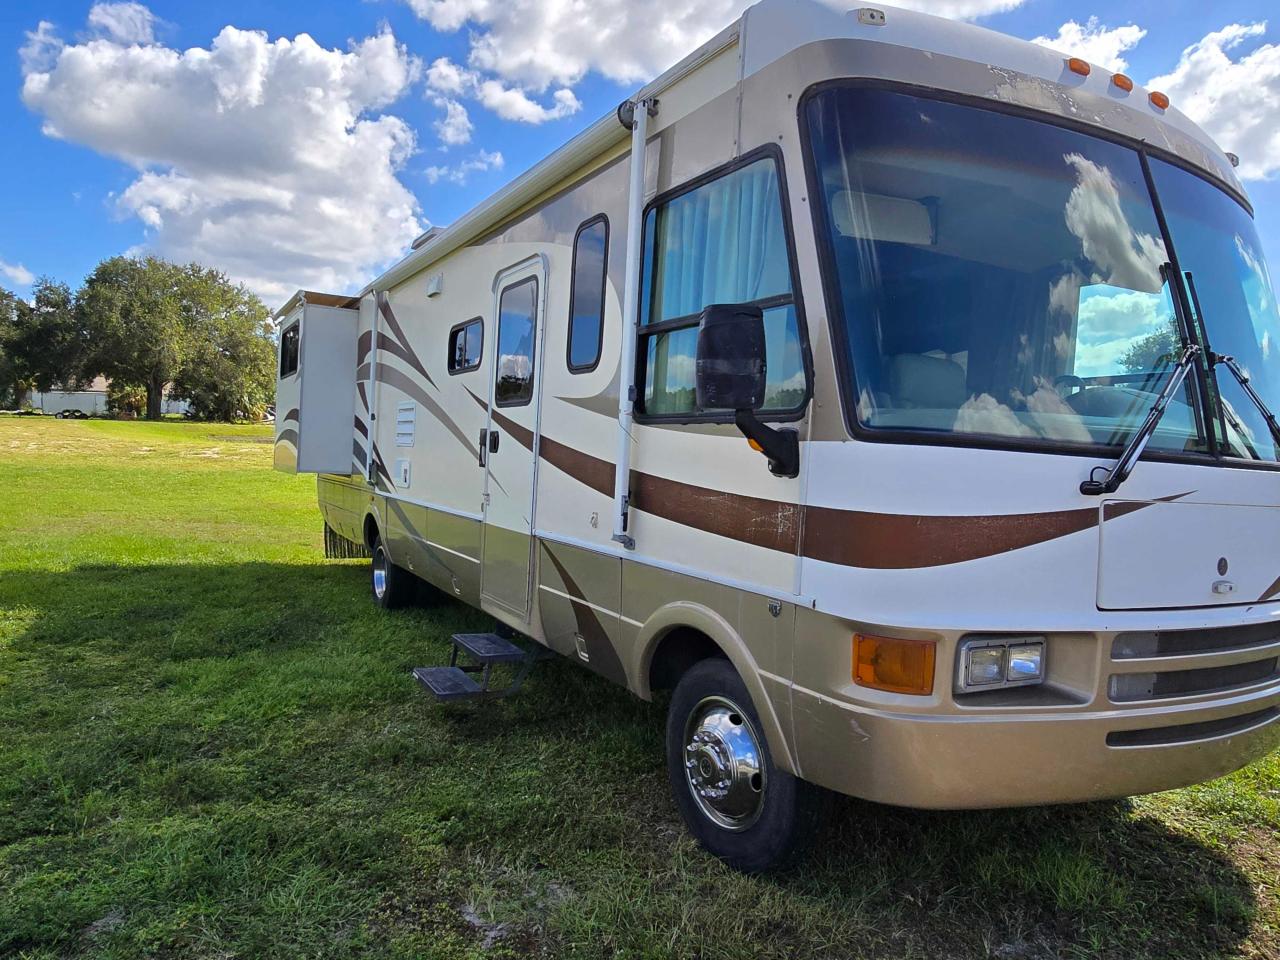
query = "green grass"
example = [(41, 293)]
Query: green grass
[(210, 746)]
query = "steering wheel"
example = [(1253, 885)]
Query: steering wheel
[(1068, 380)]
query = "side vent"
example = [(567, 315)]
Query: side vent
[(406, 423)]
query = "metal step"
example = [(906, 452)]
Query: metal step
[(448, 683), (488, 648)]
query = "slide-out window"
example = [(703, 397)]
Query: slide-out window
[(586, 298), (721, 241), (289, 342), (517, 323), (466, 345)]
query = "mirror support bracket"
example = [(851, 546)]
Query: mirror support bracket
[(782, 447)]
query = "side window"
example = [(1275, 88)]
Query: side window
[(289, 343), (517, 321), (721, 242), (466, 345), (586, 298)]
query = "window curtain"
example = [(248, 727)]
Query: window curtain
[(721, 243)]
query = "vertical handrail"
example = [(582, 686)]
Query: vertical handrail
[(640, 112), (370, 470)]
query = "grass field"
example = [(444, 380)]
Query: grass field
[(210, 746)]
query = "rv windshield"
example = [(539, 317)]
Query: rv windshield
[(994, 276), (1218, 245)]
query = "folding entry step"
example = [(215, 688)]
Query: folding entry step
[(483, 651)]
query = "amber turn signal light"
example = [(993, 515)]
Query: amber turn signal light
[(1076, 65), (898, 666), (1159, 100), (1121, 81)]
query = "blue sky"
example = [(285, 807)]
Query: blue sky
[(131, 136)]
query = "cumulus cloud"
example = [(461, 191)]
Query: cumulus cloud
[(122, 22), (458, 173), (16, 274), (536, 44), (447, 79), (1237, 101), (1122, 255), (265, 158), (1092, 41), (455, 127)]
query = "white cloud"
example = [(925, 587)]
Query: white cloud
[(1095, 43), (265, 158), (459, 172), (1236, 101), (511, 103), (123, 22), (539, 43), (455, 127), (448, 79), (16, 274)]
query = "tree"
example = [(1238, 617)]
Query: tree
[(230, 372), (134, 310), (45, 342), (1155, 351), (11, 387)]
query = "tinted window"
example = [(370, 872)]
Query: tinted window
[(466, 343), (586, 309), (289, 342), (722, 242), (993, 275), (517, 321), (1218, 245)]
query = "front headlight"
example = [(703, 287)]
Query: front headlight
[(990, 663)]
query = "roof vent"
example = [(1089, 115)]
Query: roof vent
[(427, 237), (1235, 161), (870, 16)]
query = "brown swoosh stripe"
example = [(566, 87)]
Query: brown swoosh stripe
[(393, 347), (361, 428), (292, 415), (1271, 592), (852, 538), (288, 436), (405, 351), (601, 656)]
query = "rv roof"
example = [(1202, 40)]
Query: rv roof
[(321, 299), (771, 29)]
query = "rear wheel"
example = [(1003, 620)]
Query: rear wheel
[(392, 587), (735, 801)]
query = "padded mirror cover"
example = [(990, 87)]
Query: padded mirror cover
[(731, 368)]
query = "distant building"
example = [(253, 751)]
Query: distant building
[(91, 400)]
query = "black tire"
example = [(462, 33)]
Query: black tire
[(788, 811), (391, 586)]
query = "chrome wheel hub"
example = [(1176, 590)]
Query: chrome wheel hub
[(724, 763), (379, 573)]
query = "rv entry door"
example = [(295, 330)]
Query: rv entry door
[(511, 442)]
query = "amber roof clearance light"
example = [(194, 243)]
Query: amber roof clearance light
[(1121, 81), (1159, 100), (1076, 65)]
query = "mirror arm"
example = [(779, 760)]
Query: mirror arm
[(782, 447)]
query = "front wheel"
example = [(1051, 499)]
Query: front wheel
[(392, 587), (735, 801)]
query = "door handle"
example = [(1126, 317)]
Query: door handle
[(484, 445), (493, 441)]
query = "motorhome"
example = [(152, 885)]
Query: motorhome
[(893, 393)]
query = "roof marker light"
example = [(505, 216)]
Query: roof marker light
[(1159, 100), (1076, 65), (1121, 81)]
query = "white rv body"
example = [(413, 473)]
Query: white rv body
[(937, 536)]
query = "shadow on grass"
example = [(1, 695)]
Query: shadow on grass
[(188, 735)]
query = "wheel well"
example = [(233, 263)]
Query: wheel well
[(370, 531), (679, 650)]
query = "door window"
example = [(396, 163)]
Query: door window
[(517, 323)]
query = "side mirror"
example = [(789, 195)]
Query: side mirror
[(731, 367), (732, 373)]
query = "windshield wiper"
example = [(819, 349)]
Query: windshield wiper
[(1124, 466), (1243, 379), (1230, 363)]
